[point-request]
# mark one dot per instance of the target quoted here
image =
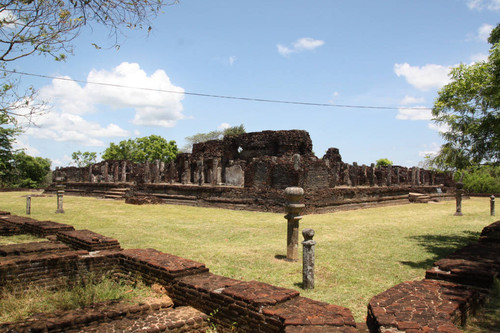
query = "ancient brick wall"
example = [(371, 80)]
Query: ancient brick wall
[(268, 159)]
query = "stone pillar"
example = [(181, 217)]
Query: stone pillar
[(296, 162), (458, 198), (106, 171), (389, 175), (124, 171), (347, 175), (218, 172), (354, 174), (28, 204), (371, 175), (186, 173), (60, 194), (398, 181), (157, 171), (91, 176), (147, 173), (308, 259), (293, 208), (417, 176), (492, 205), (413, 176), (199, 174)]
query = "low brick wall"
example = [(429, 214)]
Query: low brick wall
[(454, 288)]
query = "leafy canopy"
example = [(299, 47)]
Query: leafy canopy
[(384, 162), (148, 148), (468, 107), (84, 159), (213, 135)]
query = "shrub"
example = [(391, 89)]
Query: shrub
[(483, 179)]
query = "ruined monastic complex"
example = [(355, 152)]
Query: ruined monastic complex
[(242, 170)]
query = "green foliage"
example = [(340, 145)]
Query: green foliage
[(483, 179), (6, 139), (84, 159), (469, 108), (150, 148), (384, 162), (213, 135), (28, 171)]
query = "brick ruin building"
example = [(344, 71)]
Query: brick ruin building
[(250, 171)]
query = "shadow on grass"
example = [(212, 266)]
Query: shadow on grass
[(440, 246)]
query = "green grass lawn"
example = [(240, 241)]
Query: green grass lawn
[(358, 253)]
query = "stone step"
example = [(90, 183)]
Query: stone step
[(113, 196), (180, 319)]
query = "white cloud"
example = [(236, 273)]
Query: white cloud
[(20, 143), (8, 19), (232, 60), (442, 128), (65, 127), (432, 150), (414, 113), (158, 103), (484, 32), (153, 107), (425, 77), (335, 94), (223, 126), (484, 4), (412, 100), (300, 45), (478, 57)]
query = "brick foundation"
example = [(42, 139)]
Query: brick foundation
[(453, 289)]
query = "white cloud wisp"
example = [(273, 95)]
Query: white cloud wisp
[(300, 45)]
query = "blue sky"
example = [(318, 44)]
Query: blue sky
[(393, 53)]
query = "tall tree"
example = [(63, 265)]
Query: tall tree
[(84, 159), (149, 148), (469, 107), (48, 27)]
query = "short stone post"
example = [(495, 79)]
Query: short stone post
[(28, 205), (492, 205), (293, 208), (60, 194), (308, 259), (458, 198)]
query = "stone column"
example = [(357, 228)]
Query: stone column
[(296, 162), (308, 259), (157, 171), (124, 171), (28, 204), (105, 173), (418, 176), (147, 173), (60, 194), (371, 175), (492, 205), (458, 198), (389, 175), (200, 172), (397, 176), (293, 208), (186, 173), (91, 176)]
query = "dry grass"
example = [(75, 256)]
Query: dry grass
[(358, 253)]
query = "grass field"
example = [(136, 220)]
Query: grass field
[(358, 253)]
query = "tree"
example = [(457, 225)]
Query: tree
[(84, 159), (469, 107), (150, 148), (48, 27), (28, 171), (213, 135), (384, 162), (6, 139)]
